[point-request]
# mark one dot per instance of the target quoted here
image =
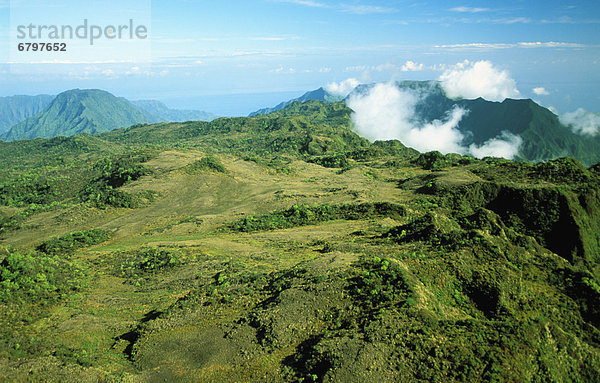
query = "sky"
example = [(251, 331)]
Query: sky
[(232, 57)]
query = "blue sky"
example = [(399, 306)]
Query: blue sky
[(199, 52)]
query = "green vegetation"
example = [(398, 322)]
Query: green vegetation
[(113, 173), (64, 246), (18, 108), (25, 190), (437, 161), (36, 278), (284, 247), (207, 163), (156, 111), (148, 261), (319, 95), (78, 111), (380, 285), (336, 161), (301, 215)]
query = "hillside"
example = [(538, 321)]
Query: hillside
[(318, 95), (544, 137), (284, 247), (15, 109), (78, 111)]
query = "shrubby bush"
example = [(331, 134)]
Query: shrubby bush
[(209, 163), (67, 244), (40, 277), (302, 214), (149, 261)]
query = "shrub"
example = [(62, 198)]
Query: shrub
[(67, 244), (36, 277), (113, 173), (301, 215), (335, 161), (380, 283), (206, 164), (148, 261)]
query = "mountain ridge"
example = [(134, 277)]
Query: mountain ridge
[(318, 94), (15, 109), (157, 111), (93, 111), (543, 135), (78, 111)]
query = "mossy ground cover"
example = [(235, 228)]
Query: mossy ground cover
[(325, 259)]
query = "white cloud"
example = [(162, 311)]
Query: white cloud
[(268, 38), (476, 46), (356, 9), (356, 68), (386, 112), (478, 79), (55, 61), (379, 68), (133, 70), (532, 44), (540, 91), (307, 3), (506, 145), (514, 20), (110, 73), (443, 136), (582, 122), (365, 9), (411, 66), (549, 44), (384, 67), (469, 9), (342, 88), (281, 69)]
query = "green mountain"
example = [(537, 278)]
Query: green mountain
[(83, 111), (544, 137), (156, 111), (78, 111), (286, 248), (15, 109), (318, 94)]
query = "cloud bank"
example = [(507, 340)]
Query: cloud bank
[(478, 79), (387, 112), (342, 88), (582, 122), (506, 145)]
